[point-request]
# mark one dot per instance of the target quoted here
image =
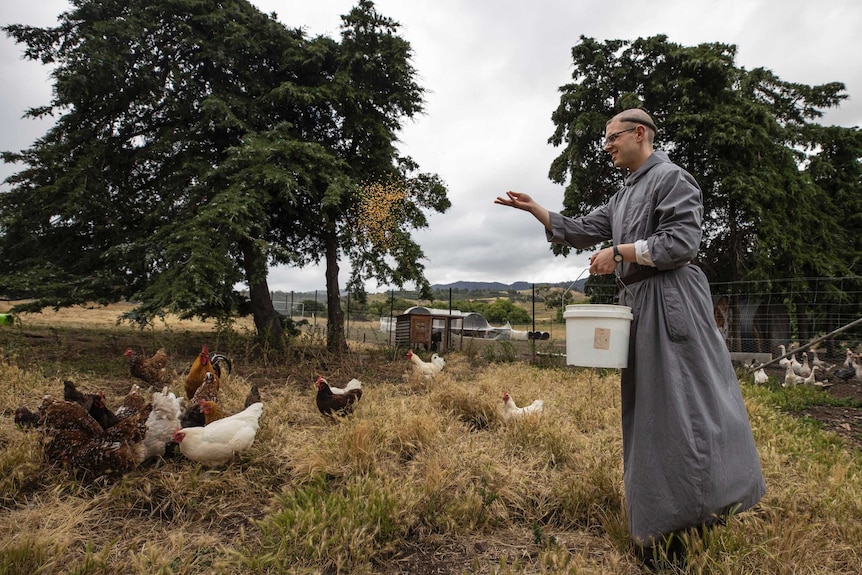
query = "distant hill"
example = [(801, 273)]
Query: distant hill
[(497, 286), (463, 287)]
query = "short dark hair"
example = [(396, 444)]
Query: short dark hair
[(642, 120)]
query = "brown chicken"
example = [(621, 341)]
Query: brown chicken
[(94, 403), (212, 411), (200, 367), (208, 390), (330, 404), (71, 393), (26, 419), (113, 451), (101, 413), (132, 403), (151, 370), (65, 425)]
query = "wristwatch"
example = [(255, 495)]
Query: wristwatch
[(618, 257)]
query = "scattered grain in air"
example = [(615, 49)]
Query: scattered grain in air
[(379, 211)]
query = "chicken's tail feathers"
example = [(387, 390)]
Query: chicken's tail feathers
[(252, 397), (222, 364), (353, 384)]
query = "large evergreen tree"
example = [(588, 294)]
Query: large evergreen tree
[(196, 144), (751, 140)]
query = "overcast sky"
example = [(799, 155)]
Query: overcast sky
[(492, 72)]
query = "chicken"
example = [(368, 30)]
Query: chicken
[(114, 451), (424, 368), (194, 416), (212, 411), (94, 403), (101, 413), (162, 422), (57, 414), (65, 425), (132, 403), (511, 410), (329, 404), (71, 393), (151, 370), (26, 419), (200, 367), (217, 443), (208, 390)]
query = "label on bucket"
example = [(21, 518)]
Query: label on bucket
[(602, 338)]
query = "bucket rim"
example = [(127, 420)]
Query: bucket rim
[(598, 310)]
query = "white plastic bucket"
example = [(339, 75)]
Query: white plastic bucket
[(597, 335)]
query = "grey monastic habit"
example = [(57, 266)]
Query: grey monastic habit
[(688, 450)]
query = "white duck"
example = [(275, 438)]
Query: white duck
[(791, 379), (784, 362)]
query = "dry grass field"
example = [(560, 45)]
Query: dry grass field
[(424, 478)]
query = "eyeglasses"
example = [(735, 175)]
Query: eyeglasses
[(611, 138)]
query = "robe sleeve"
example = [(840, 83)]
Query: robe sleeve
[(678, 217), (582, 232)]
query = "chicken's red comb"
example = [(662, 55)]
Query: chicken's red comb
[(319, 379)]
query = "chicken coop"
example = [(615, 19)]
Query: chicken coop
[(426, 327)]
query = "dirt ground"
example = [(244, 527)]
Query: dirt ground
[(844, 421)]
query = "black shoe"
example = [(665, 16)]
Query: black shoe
[(670, 551)]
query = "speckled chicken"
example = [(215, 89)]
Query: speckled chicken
[(113, 451), (151, 370)]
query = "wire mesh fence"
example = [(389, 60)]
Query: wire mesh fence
[(753, 316), (760, 316)]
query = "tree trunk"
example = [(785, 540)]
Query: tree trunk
[(266, 319), (335, 340)]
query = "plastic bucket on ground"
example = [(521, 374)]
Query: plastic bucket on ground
[(7, 319), (597, 335)]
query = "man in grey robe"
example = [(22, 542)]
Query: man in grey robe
[(688, 451)]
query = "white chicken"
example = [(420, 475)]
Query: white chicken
[(511, 410), (162, 422), (425, 368), (216, 443), (438, 361), (352, 384)]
